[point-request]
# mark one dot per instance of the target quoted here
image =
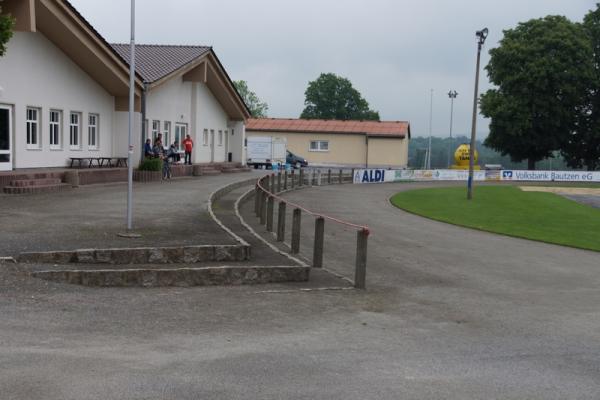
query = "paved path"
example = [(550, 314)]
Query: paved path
[(165, 213), (450, 313)]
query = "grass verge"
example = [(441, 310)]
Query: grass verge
[(507, 210)]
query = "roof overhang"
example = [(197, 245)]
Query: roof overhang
[(60, 23), (67, 29), (325, 132)]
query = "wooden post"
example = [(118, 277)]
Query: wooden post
[(263, 207), (360, 273), (293, 179), (278, 182), (273, 183), (285, 179), (270, 206), (340, 177), (281, 222), (352, 176), (318, 246), (329, 177), (301, 176), (296, 219), (257, 201)]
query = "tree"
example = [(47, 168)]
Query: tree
[(7, 23), (583, 147), (258, 108), (541, 70), (333, 97)]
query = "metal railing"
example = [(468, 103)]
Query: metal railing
[(266, 193)]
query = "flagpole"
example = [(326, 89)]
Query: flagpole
[(131, 120)]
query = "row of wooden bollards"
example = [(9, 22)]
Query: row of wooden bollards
[(264, 207)]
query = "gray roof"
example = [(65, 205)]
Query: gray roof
[(153, 62)]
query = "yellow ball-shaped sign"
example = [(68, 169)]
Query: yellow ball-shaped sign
[(461, 155)]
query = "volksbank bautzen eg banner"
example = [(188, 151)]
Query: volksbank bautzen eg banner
[(399, 175)]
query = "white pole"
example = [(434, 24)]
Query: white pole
[(131, 119), (430, 129)]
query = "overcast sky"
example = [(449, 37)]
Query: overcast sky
[(393, 51)]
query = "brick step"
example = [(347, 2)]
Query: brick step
[(233, 170), (36, 189), (210, 171), (35, 182), (183, 277)]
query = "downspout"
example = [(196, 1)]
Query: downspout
[(143, 110), (367, 155)]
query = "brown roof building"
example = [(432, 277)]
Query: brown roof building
[(339, 143)]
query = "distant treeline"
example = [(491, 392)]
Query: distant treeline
[(439, 155)]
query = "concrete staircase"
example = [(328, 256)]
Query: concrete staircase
[(35, 185)]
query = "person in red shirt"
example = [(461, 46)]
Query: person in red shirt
[(188, 144)]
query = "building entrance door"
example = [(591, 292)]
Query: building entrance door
[(180, 134), (6, 163)]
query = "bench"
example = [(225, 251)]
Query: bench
[(100, 161)]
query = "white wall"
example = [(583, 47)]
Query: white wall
[(121, 136), (212, 117), (35, 73), (192, 104), (237, 141), (171, 102)]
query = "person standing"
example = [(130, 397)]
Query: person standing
[(188, 145)]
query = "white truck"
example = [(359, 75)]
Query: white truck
[(265, 151)]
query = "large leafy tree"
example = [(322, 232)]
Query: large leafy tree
[(257, 107), (6, 27), (583, 146), (333, 97), (541, 70)]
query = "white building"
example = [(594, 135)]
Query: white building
[(64, 93)]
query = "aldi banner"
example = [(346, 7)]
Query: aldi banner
[(400, 175), (551, 176)]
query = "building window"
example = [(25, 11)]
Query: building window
[(205, 137), (93, 131), (220, 138), (75, 131), (33, 131), (167, 133), (55, 129), (155, 130), (319, 145)]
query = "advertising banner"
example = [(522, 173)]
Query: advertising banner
[(399, 175), (551, 176)]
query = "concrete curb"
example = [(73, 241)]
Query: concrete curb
[(244, 198), (141, 255), (183, 277), (217, 194)]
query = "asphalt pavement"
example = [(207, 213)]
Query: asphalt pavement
[(449, 313)]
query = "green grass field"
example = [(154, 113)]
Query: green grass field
[(507, 210)]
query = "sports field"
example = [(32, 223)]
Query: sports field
[(507, 210)]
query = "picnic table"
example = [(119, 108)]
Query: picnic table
[(99, 161)]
